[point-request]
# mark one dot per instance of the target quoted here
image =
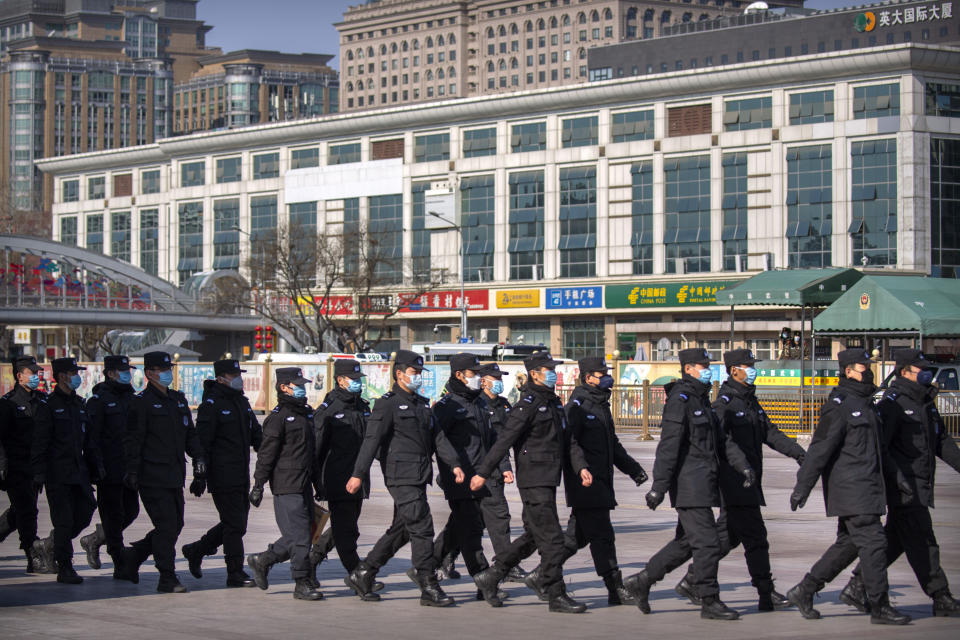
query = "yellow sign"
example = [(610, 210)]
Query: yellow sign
[(518, 299)]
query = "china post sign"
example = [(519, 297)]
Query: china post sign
[(664, 294), (575, 298)]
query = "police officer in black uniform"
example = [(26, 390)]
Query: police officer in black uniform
[(914, 436), (691, 446), (227, 429), (846, 451), (403, 434), (18, 409), (341, 423), (740, 521), (119, 506), (287, 459), (65, 460), (160, 431), (535, 430)]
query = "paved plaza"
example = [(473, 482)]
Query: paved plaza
[(38, 607)]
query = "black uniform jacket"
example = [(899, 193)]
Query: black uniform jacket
[(160, 431), (403, 435), (227, 428), (463, 416), (107, 409), (288, 454), (341, 423), (590, 425), (744, 420), (913, 437), (845, 450), (535, 429), (63, 450), (18, 407), (692, 446), (499, 409)]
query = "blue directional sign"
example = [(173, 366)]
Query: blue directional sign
[(575, 298)]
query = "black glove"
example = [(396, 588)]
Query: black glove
[(641, 477), (131, 481), (256, 495), (749, 478), (38, 482), (906, 491), (199, 468), (800, 458), (654, 498), (198, 486), (797, 500)]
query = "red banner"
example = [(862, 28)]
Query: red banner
[(444, 301)]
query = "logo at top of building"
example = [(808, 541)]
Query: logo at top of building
[(864, 301), (865, 21)]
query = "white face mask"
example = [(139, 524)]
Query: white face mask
[(474, 383)]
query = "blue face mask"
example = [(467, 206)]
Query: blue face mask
[(751, 374), (237, 383), (355, 386), (497, 387), (165, 378), (706, 376), (76, 381), (606, 382), (33, 381), (124, 377), (925, 377), (416, 381), (551, 378), (299, 392)]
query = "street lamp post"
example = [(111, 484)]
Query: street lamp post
[(458, 225)]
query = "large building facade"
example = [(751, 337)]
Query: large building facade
[(599, 216)]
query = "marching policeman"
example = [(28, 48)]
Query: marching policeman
[(914, 436), (287, 459), (18, 409), (119, 506), (740, 521), (65, 459), (403, 434), (227, 429), (535, 430), (845, 450), (687, 467), (341, 423), (160, 431)]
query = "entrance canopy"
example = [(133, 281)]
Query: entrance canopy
[(929, 307), (794, 288)]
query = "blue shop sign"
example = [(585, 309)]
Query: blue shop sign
[(575, 298)]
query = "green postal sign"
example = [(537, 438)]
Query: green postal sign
[(664, 294)]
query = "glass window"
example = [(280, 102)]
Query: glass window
[(95, 188), (421, 236), (95, 232), (149, 245), (70, 190), (734, 207), (303, 241), (811, 107), (190, 239), (535, 333), (479, 142), (226, 234), (477, 199), (579, 132), (526, 225), (873, 220), (687, 208), (351, 230), (578, 222), (876, 101), (632, 125), (192, 173), (68, 230), (641, 237), (809, 206), (343, 153), (386, 238), (150, 181), (304, 158), (945, 207), (750, 113), (120, 235), (583, 338), (943, 100), (430, 147), (228, 170), (266, 165), (531, 136)]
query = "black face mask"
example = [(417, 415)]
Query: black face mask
[(867, 376)]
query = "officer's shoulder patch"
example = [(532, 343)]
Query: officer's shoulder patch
[(577, 401), (324, 404), (95, 395), (443, 399), (388, 394), (683, 396), (276, 409), (726, 400), (838, 399), (309, 416), (209, 401)]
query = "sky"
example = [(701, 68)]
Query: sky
[(306, 26)]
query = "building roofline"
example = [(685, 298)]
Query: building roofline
[(47, 41), (267, 56)]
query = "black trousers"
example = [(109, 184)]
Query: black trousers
[(856, 536), (164, 506), (71, 508), (593, 527), (294, 514), (233, 507), (118, 507), (22, 514), (910, 530), (343, 532), (496, 520), (463, 532), (541, 532), (412, 523), (696, 536)]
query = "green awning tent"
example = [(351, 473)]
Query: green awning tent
[(793, 287), (891, 305)]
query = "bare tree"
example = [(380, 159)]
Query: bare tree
[(32, 221)]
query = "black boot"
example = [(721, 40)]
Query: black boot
[(194, 555), (560, 602), (685, 588), (67, 574), (304, 590), (317, 556), (714, 609), (771, 601), (447, 568), (169, 583), (944, 605), (5, 525), (882, 612), (236, 576), (361, 581), (31, 561), (855, 594), (617, 593), (91, 543), (533, 583), (802, 596), (260, 564), (131, 559), (431, 595), (516, 574), (118, 573), (638, 585), (503, 595), (488, 585), (43, 548)]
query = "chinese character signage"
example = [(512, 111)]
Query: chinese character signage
[(444, 301), (575, 298), (518, 299), (664, 294), (927, 12)]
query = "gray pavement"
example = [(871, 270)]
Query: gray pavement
[(38, 607)]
